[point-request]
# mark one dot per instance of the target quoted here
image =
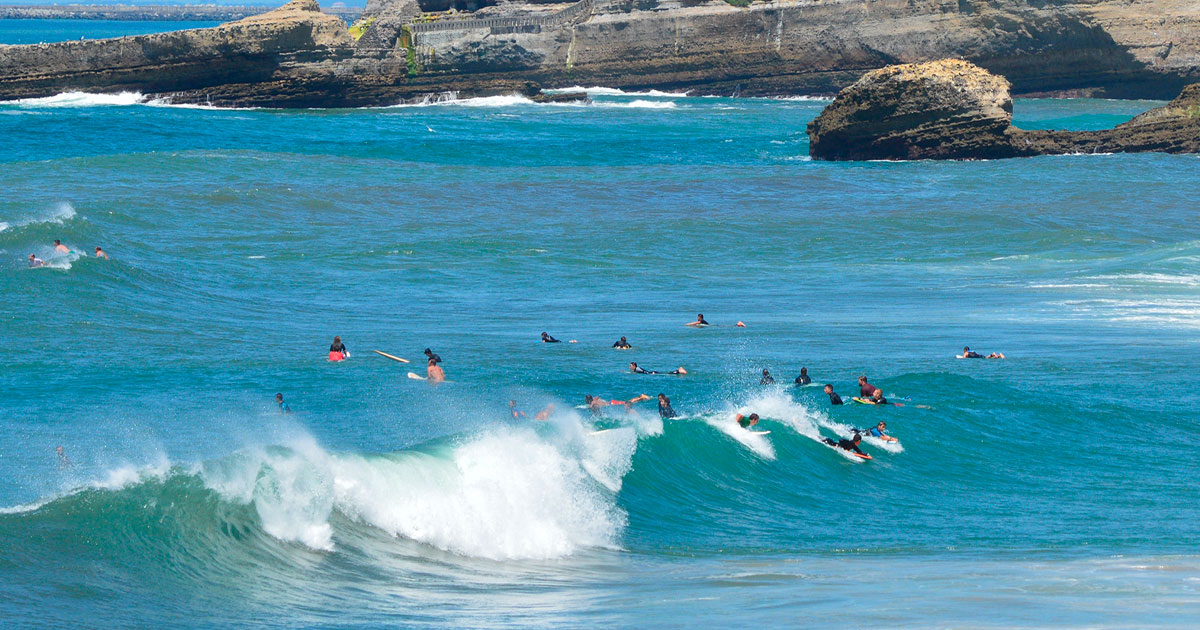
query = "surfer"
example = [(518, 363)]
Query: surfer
[(59, 248), (834, 399), (63, 461), (700, 321), (865, 389), (594, 403), (100, 253), (664, 407), (545, 413), (283, 407), (546, 338), (512, 409), (968, 353), (803, 379), (767, 379), (433, 371), (880, 431), (637, 369), (747, 421), (622, 344), (848, 445), (877, 397), (337, 350), (433, 357), (34, 261)]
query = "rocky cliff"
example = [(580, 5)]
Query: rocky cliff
[(296, 57), (952, 109)]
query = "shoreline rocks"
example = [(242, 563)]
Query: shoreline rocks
[(953, 109)]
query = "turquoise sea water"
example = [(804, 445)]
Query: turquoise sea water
[(1053, 489), (46, 31)]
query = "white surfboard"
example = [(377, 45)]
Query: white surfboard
[(416, 377), (392, 357)]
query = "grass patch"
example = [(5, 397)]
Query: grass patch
[(739, 3)]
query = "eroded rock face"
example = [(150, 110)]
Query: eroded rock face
[(952, 109)]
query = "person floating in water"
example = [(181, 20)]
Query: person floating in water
[(513, 411), (546, 338), (622, 344), (637, 369), (803, 379), (664, 407), (880, 431), (746, 421), (283, 407), (59, 248), (100, 253), (848, 445), (545, 413), (433, 370), (767, 379), (878, 399), (971, 354), (64, 462), (865, 389), (337, 350), (34, 261), (700, 321), (834, 399), (594, 403)]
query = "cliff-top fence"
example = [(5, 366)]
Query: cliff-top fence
[(561, 16)]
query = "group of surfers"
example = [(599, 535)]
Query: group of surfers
[(59, 248)]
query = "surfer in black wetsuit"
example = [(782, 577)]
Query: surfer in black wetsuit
[(767, 379), (747, 421), (803, 378), (664, 407), (878, 399), (834, 399), (434, 359), (637, 369), (546, 338), (848, 445), (700, 321), (338, 346), (622, 344)]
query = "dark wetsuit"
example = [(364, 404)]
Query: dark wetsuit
[(624, 345), (434, 359), (972, 355), (337, 347), (767, 380), (880, 401), (665, 410), (549, 339), (702, 322), (637, 369), (843, 444), (803, 379), (834, 399)]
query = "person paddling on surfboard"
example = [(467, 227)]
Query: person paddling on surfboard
[(622, 344), (746, 421), (803, 379), (664, 407), (100, 253), (865, 389), (880, 431), (59, 248), (637, 369), (834, 399), (546, 338), (700, 321), (767, 379), (337, 350), (848, 445), (434, 371), (34, 261)]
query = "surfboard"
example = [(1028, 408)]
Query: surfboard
[(863, 401), (394, 358), (758, 432), (859, 456), (416, 377)]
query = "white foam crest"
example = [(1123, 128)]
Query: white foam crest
[(504, 495), (1153, 278), (129, 475), (608, 455), (58, 214), (607, 91), (81, 99), (638, 104), (777, 405), (451, 99)]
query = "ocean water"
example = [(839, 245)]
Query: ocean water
[(47, 31), (1053, 489)]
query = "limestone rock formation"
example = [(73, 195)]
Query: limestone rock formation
[(952, 109)]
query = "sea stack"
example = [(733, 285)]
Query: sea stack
[(953, 109)]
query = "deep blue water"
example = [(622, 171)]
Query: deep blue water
[(47, 31), (1054, 488)]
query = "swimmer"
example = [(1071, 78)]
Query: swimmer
[(865, 389), (545, 413), (34, 261), (880, 431), (337, 350), (803, 379), (834, 399), (740, 325), (100, 253), (878, 399), (637, 369), (767, 379), (664, 407), (546, 338), (433, 371), (59, 248), (746, 421), (622, 344), (512, 410), (848, 445), (63, 461), (968, 353), (700, 321), (283, 407)]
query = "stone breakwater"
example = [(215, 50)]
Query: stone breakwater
[(405, 49), (953, 109)]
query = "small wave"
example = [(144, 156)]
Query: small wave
[(640, 104), (448, 99), (81, 99), (58, 214), (607, 91)]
